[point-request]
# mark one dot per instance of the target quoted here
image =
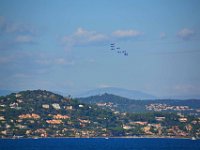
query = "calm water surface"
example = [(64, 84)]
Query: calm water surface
[(99, 144)]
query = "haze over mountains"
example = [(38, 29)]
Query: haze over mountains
[(132, 94)]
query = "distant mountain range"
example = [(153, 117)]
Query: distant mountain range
[(131, 94)]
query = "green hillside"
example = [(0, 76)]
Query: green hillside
[(38, 113), (74, 117), (122, 104)]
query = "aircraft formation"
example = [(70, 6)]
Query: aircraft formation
[(118, 49)]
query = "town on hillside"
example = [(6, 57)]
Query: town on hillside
[(42, 114)]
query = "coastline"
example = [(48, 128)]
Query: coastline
[(120, 137)]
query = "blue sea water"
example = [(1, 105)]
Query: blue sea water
[(99, 144)]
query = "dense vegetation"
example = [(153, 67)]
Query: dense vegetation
[(41, 113), (123, 104)]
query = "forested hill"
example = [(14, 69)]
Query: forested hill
[(129, 105), (26, 113), (40, 114)]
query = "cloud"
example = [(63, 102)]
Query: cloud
[(55, 61), (91, 60), (62, 61), (5, 59), (104, 86), (15, 34), (24, 39), (15, 28), (186, 34), (90, 36), (21, 75), (126, 33), (86, 37), (162, 35)]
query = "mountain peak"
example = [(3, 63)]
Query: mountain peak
[(131, 94)]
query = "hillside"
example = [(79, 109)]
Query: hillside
[(117, 103), (38, 113), (123, 104), (34, 110)]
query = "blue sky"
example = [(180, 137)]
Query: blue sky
[(64, 45)]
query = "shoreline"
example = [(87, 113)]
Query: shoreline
[(120, 137)]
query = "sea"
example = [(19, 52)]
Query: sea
[(99, 144)]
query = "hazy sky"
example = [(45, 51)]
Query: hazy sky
[(64, 45)]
